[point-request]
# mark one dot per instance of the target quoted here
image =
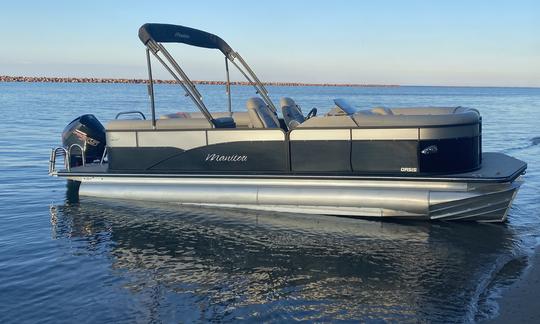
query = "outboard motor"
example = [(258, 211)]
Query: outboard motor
[(87, 132)]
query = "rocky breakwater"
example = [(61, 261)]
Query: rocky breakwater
[(5, 78)]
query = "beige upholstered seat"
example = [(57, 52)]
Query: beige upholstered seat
[(329, 122), (398, 117), (292, 114), (260, 115), (241, 118), (416, 117)]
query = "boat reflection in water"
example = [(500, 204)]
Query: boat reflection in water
[(208, 264)]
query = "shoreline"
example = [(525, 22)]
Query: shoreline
[(519, 302), (6, 78)]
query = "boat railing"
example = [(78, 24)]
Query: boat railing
[(66, 154), (77, 146), (103, 156), (58, 151), (130, 112)]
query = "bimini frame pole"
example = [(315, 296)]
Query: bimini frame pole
[(228, 87), (252, 79), (151, 88), (181, 78)]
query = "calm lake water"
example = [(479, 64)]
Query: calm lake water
[(116, 261)]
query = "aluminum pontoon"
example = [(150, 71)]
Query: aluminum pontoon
[(421, 163)]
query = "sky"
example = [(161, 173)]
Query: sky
[(461, 43)]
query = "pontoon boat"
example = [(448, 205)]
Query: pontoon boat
[(420, 163)]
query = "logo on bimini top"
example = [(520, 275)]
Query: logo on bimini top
[(226, 158), (180, 35)]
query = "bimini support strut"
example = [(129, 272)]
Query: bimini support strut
[(180, 76), (151, 89), (228, 86)]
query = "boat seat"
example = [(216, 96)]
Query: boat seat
[(292, 114), (340, 121), (241, 118), (416, 117), (260, 115)]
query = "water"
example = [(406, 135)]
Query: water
[(113, 261)]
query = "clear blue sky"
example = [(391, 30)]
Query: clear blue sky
[(389, 42)]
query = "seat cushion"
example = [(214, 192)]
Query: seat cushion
[(260, 115), (418, 117), (292, 114)]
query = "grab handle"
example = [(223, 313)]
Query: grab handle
[(129, 113)]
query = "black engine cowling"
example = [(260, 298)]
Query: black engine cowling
[(87, 132)]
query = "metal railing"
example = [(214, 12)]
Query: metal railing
[(58, 151), (130, 112), (105, 151), (83, 156), (66, 154)]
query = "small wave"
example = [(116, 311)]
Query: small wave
[(533, 142)]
